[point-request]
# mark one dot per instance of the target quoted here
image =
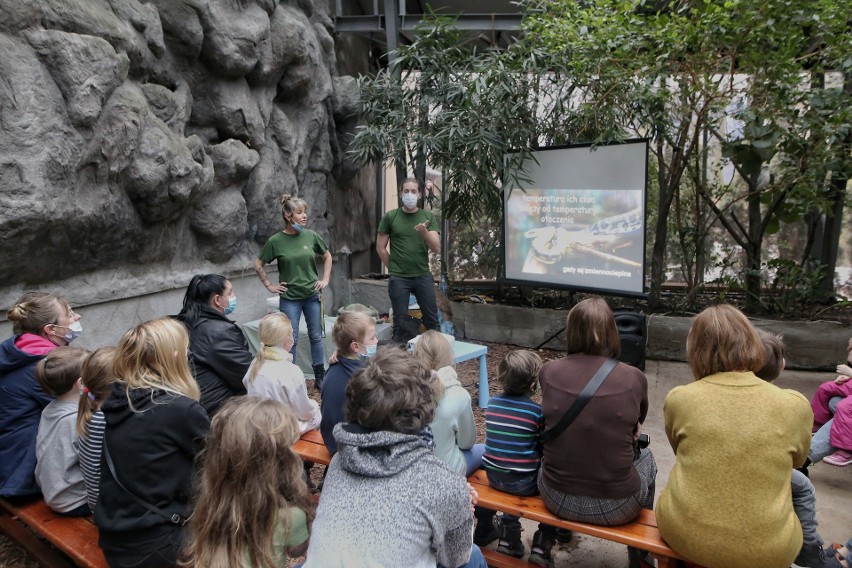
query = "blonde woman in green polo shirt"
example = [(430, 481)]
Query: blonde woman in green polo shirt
[(295, 248), (412, 232)]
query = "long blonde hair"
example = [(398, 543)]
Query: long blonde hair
[(272, 331), (153, 355), (249, 474), (96, 377)]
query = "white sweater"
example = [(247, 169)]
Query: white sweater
[(283, 381)]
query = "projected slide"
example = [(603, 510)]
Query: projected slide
[(579, 237)]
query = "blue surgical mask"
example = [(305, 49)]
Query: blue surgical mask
[(297, 227), (371, 351), (232, 305), (409, 200)]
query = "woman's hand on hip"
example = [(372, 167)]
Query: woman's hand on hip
[(279, 288)]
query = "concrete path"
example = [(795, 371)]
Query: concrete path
[(833, 484)]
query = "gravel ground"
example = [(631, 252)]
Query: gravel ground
[(11, 556)]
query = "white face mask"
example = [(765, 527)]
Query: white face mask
[(74, 331), (409, 200)]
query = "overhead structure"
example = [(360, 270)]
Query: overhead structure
[(391, 23)]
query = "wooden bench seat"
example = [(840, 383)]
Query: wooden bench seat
[(75, 538), (642, 533)]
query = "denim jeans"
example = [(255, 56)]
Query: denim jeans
[(522, 487), (804, 504), (476, 559), (821, 442), (473, 458), (311, 307), (423, 288)]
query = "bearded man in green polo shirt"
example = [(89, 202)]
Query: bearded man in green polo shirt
[(412, 232)]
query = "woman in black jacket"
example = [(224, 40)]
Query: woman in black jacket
[(219, 354), (154, 429)]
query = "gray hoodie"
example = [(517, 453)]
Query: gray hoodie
[(389, 502)]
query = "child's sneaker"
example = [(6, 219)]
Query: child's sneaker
[(540, 555), (510, 541), (840, 458)]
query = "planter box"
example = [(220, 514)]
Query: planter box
[(811, 346)]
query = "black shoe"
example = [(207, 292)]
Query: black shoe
[(510, 542), (541, 547), (319, 376), (486, 531), (804, 468), (564, 536), (813, 556)]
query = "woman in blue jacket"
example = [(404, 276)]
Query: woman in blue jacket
[(41, 323)]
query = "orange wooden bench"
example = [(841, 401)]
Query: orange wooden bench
[(641, 533), (75, 538)]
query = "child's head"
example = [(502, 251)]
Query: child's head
[(394, 391), (249, 474), (775, 352), (58, 372), (434, 350), (96, 378), (274, 331), (518, 372), (153, 355), (353, 332)]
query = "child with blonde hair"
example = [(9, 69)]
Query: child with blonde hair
[(155, 427), (96, 378), (832, 404), (354, 334), (273, 375), (57, 469), (261, 511), (454, 428)]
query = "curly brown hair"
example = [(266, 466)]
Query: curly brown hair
[(394, 391)]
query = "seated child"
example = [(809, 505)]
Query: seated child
[(840, 429), (273, 374), (388, 501), (453, 427), (261, 511), (513, 427), (57, 469), (96, 380), (354, 334), (804, 495)]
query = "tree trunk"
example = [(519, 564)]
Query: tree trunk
[(753, 248)]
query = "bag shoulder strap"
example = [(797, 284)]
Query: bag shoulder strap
[(581, 401), (173, 518)]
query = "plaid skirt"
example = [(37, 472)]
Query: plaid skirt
[(605, 512)]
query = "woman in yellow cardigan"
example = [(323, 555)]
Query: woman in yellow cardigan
[(737, 439)]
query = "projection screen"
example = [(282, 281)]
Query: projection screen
[(579, 223)]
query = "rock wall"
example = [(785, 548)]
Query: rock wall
[(144, 140)]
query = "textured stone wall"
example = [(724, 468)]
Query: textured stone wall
[(142, 141)]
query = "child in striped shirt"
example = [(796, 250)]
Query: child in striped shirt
[(96, 380), (513, 428)]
